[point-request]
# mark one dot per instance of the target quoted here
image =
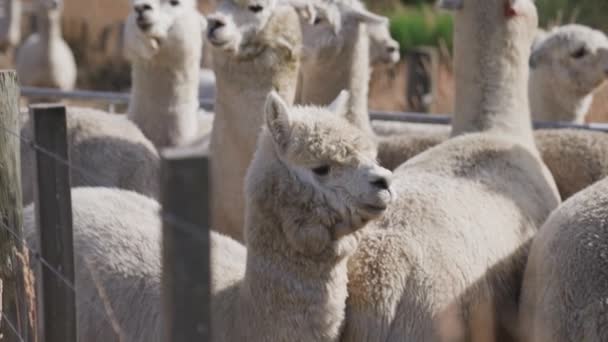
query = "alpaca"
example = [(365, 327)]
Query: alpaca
[(256, 48), (312, 186), (383, 49), (45, 59), (10, 24), (163, 41), (567, 65), (576, 159), (445, 261), (335, 56), (107, 146), (564, 296)]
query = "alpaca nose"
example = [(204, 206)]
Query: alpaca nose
[(391, 49), (215, 23), (140, 8), (382, 183)]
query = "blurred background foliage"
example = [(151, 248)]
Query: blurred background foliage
[(417, 23)]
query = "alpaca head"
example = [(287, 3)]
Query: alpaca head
[(575, 58), (383, 49), (496, 20), (329, 185), (173, 26), (236, 21), (335, 25), (50, 9)]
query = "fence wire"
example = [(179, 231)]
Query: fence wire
[(189, 228)]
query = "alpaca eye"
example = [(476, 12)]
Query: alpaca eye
[(318, 20), (174, 3), (321, 170), (256, 8), (580, 53)]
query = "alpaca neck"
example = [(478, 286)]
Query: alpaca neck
[(49, 29), (322, 81), (304, 296), (491, 72), (164, 99), (550, 104)]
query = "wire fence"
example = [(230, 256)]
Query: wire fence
[(105, 310), (184, 226), (116, 98)]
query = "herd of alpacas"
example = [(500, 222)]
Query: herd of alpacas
[(327, 226)]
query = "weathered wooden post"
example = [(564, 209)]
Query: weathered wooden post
[(186, 276), (57, 301), (18, 304)]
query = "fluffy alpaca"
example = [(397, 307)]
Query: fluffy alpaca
[(10, 24), (312, 186), (576, 158), (163, 41), (565, 285), (448, 263), (335, 56), (45, 59), (383, 49), (107, 146), (567, 65), (256, 48)]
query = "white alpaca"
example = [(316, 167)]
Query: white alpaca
[(336, 55), (10, 24), (163, 41), (45, 59), (445, 261), (312, 186), (383, 49), (106, 149), (256, 48), (567, 65), (565, 288)]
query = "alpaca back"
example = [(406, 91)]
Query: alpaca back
[(564, 289), (106, 150), (117, 253)]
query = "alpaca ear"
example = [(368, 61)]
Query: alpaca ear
[(340, 105), (305, 9), (364, 16), (450, 5), (538, 55), (278, 120)]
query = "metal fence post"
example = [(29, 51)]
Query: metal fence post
[(186, 275), (54, 220)]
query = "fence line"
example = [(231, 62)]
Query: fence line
[(178, 223), (115, 98)]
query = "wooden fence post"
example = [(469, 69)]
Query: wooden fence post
[(186, 276), (54, 220), (18, 304)]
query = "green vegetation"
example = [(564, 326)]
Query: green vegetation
[(421, 26), (416, 22), (588, 12)]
